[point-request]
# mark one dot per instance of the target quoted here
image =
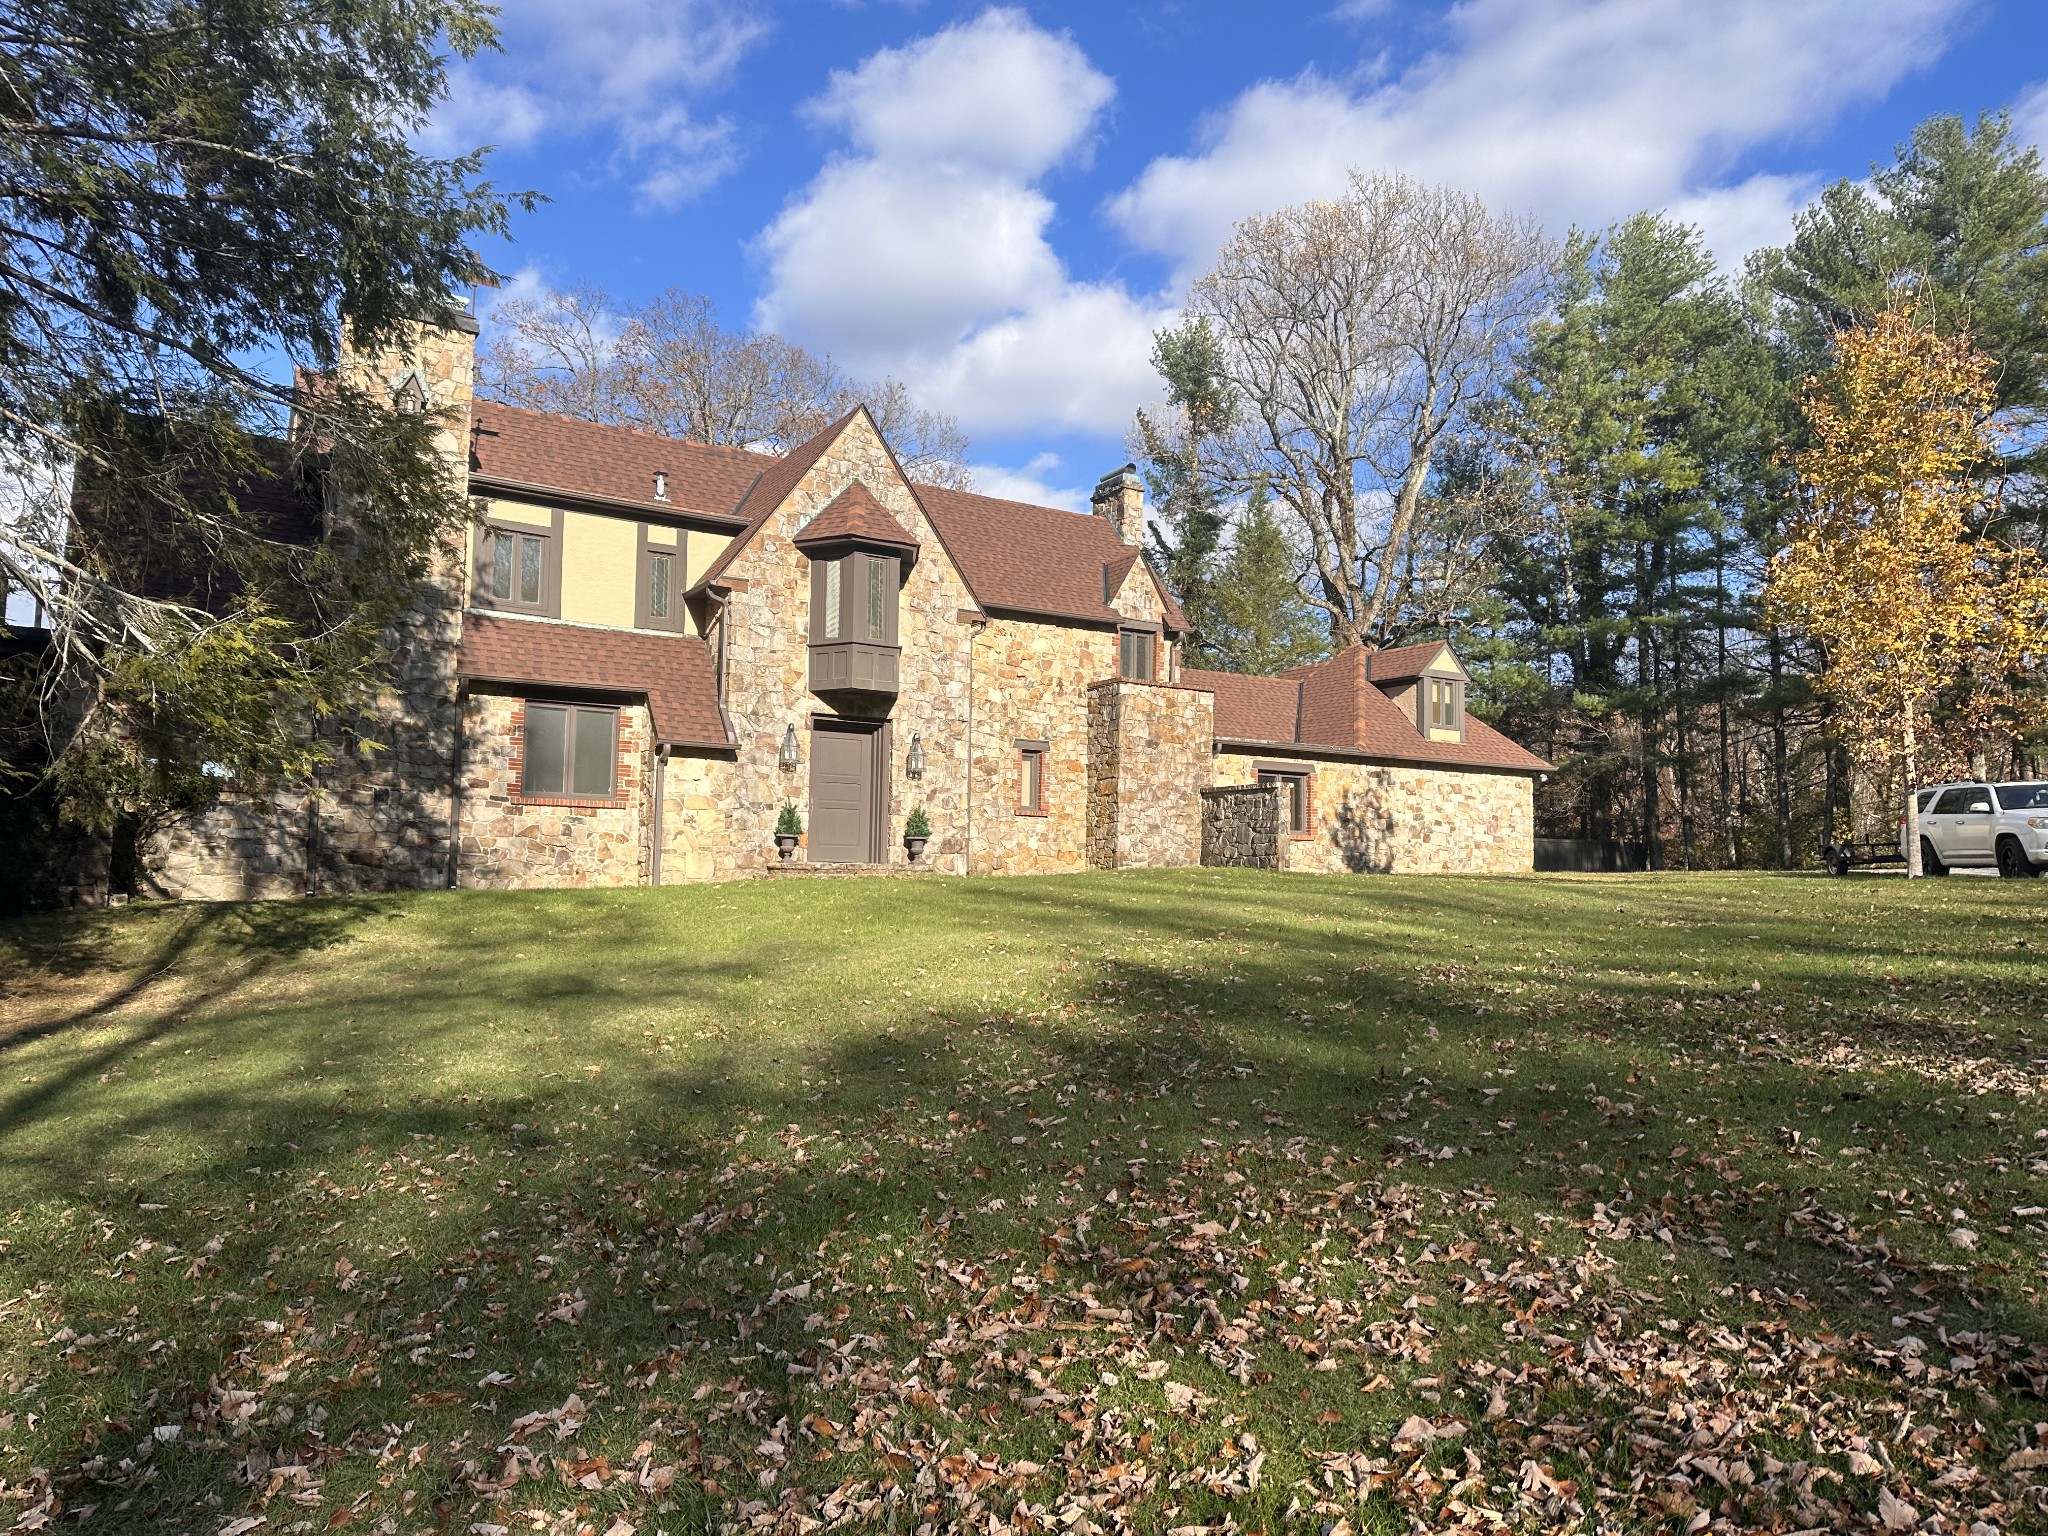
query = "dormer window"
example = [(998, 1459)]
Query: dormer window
[(1445, 701)]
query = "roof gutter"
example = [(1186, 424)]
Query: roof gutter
[(1354, 755)]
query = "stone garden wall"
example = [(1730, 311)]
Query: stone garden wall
[(1371, 818), (1241, 827)]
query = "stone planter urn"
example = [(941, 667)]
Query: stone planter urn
[(785, 843), (914, 846)]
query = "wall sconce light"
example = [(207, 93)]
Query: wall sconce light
[(787, 757), (914, 763)]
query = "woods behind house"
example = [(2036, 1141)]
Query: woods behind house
[(1399, 415)]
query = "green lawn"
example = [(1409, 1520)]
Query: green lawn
[(1115, 1202)]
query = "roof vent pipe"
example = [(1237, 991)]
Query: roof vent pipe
[(661, 485)]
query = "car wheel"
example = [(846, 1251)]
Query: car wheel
[(1839, 862), (1930, 861), (2013, 862)]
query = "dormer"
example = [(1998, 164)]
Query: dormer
[(859, 556), (1427, 683)]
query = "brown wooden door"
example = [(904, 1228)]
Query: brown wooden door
[(843, 785)]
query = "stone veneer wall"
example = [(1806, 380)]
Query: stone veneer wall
[(1390, 819), (1148, 759), (373, 819), (1241, 826), (1031, 684), (509, 842), (768, 673)]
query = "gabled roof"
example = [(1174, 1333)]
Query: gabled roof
[(562, 453), (854, 514), (771, 490), (1333, 706), (1036, 560), (673, 672), (1014, 556)]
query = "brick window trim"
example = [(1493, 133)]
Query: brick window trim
[(624, 778)]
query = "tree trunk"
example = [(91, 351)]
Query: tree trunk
[(1910, 741), (1781, 787)]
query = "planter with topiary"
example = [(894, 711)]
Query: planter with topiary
[(917, 830), (788, 828)]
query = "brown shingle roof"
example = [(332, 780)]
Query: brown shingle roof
[(673, 672), (1331, 705), (1036, 560), (854, 514), (618, 463), (772, 489), (1013, 555)]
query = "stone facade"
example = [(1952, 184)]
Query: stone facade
[(1148, 752), (1131, 774), (1370, 818), (509, 840), (768, 667), (379, 814), (1241, 826)]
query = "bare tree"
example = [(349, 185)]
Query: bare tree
[(1361, 335), (668, 366)]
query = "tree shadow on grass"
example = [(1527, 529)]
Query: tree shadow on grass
[(665, 1193)]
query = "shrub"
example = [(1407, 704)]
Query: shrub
[(789, 824), (916, 824)]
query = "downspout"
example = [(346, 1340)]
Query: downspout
[(974, 628), (660, 795)]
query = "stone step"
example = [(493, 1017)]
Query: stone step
[(844, 871)]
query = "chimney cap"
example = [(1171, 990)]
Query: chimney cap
[(1116, 480)]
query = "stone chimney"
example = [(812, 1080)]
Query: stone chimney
[(425, 367), (1120, 498)]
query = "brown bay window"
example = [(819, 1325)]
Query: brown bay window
[(569, 752)]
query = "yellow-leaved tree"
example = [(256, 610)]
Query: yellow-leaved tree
[(1909, 609)]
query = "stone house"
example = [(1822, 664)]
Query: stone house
[(643, 649)]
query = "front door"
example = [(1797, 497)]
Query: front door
[(844, 784)]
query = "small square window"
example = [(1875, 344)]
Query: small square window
[(571, 751), (1031, 780)]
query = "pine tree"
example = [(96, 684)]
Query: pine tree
[(1262, 623)]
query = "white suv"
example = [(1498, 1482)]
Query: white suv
[(2002, 826)]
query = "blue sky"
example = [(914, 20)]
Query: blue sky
[(998, 205)]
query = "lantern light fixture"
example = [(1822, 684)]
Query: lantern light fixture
[(788, 755), (914, 763)]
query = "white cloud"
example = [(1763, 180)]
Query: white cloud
[(1032, 483), (922, 252), (629, 70), (1581, 111), (2030, 117)]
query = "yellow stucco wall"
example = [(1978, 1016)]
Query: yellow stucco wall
[(599, 559)]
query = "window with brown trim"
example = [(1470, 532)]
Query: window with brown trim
[(854, 598), (1293, 787), (518, 569), (1030, 780), (570, 751), (1446, 703), (658, 593), (1135, 655)]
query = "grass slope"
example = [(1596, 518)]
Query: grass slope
[(1120, 1202)]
